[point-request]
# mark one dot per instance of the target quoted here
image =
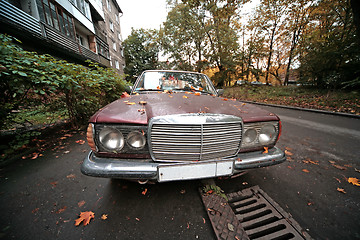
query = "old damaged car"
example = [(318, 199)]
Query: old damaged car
[(174, 126)]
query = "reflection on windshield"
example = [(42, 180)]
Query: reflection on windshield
[(174, 81)]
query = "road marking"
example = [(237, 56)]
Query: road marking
[(321, 127)]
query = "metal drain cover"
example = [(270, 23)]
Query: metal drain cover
[(252, 215)]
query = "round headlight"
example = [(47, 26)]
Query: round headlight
[(267, 134), (136, 139), (250, 135), (111, 138)]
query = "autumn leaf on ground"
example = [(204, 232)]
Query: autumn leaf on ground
[(308, 160), (104, 216), (305, 170), (81, 203), (197, 94), (341, 190), (54, 184), (354, 181), (158, 88), (144, 192), (72, 176), (287, 152), (85, 217), (338, 166), (80, 142), (61, 210), (142, 102), (185, 96), (130, 103), (288, 148), (224, 99)]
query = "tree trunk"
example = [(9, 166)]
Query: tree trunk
[(270, 54)]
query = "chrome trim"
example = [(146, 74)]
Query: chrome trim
[(142, 169), (198, 123)]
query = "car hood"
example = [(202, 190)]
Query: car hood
[(139, 109)]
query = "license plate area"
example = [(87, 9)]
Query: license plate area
[(194, 170)]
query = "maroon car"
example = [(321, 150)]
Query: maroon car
[(173, 126)]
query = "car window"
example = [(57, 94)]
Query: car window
[(174, 81)]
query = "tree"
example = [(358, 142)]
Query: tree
[(330, 56), (268, 18), (183, 37), (141, 50)]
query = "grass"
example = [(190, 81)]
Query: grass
[(334, 101)]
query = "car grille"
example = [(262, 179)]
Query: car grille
[(195, 142)]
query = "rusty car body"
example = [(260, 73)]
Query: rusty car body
[(174, 126)]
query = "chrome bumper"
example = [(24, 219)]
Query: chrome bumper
[(147, 169)]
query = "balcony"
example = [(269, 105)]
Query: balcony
[(22, 25)]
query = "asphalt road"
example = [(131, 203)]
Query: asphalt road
[(41, 198)]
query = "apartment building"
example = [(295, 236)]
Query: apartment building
[(75, 30)]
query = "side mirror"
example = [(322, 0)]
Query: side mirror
[(128, 89), (220, 91)]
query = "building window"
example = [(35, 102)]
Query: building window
[(111, 26), (117, 64), (114, 46), (108, 5), (119, 36), (117, 18), (55, 16), (80, 39), (110, 61)]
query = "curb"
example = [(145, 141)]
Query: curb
[(304, 109)]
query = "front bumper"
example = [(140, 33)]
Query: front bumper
[(147, 169)]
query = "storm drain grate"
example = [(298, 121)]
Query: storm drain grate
[(262, 218)]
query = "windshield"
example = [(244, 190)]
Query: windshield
[(174, 81)]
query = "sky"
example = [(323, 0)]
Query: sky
[(150, 14), (147, 14)]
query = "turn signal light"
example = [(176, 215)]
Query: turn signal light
[(90, 137)]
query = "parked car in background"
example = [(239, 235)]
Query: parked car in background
[(173, 126)]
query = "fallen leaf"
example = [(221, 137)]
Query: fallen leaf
[(35, 155), (339, 167), (337, 180), (72, 176), (66, 152), (204, 220), (183, 191), (144, 192), (53, 184), (158, 87), (104, 216), (142, 102), (341, 190), (308, 160), (266, 150), (85, 217), (287, 152), (305, 170), (225, 99), (288, 148), (354, 181), (230, 227), (357, 170), (137, 219), (130, 103), (81, 203), (35, 210), (201, 89), (188, 226), (61, 210), (80, 142), (185, 96), (197, 94)]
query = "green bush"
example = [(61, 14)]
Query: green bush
[(29, 79)]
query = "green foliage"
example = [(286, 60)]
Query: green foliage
[(331, 52), (30, 80), (213, 189), (141, 52)]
